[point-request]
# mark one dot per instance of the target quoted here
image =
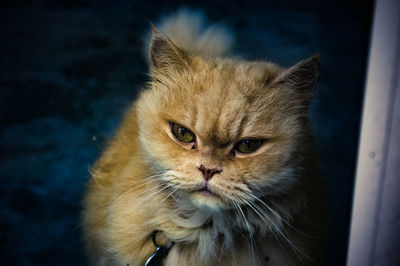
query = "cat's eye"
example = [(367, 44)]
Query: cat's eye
[(248, 145), (182, 134)]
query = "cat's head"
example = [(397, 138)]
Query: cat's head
[(224, 131)]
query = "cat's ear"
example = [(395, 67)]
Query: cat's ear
[(302, 77), (164, 54)]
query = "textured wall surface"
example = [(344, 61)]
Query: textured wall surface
[(68, 70)]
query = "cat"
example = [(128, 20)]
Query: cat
[(215, 159)]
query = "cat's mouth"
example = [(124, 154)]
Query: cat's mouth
[(206, 195), (206, 190)]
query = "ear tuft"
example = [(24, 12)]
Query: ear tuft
[(301, 77), (163, 52)]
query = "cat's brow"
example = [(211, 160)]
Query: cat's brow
[(242, 124), (224, 144), (220, 143)]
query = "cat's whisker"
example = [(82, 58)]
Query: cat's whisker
[(151, 178), (170, 194), (277, 214), (253, 206), (157, 186), (131, 187), (237, 206), (157, 192), (262, 215)]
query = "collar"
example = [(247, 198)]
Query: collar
[(161, 252)]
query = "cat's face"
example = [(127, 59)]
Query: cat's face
[(222, 131)]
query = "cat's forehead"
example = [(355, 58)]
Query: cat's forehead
[(227, 102), (228, 119), (247, 78)]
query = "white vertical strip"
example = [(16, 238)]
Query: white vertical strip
[(388, 233), (375, 203)]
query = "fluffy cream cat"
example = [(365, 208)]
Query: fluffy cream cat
[(216, 156)]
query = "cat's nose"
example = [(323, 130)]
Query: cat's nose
[(208, 172)]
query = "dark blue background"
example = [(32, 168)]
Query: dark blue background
[(68, 70)]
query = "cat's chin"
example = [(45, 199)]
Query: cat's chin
[(207, 199)]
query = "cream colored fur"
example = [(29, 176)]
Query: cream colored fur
[(266, 207), (188, 28)]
